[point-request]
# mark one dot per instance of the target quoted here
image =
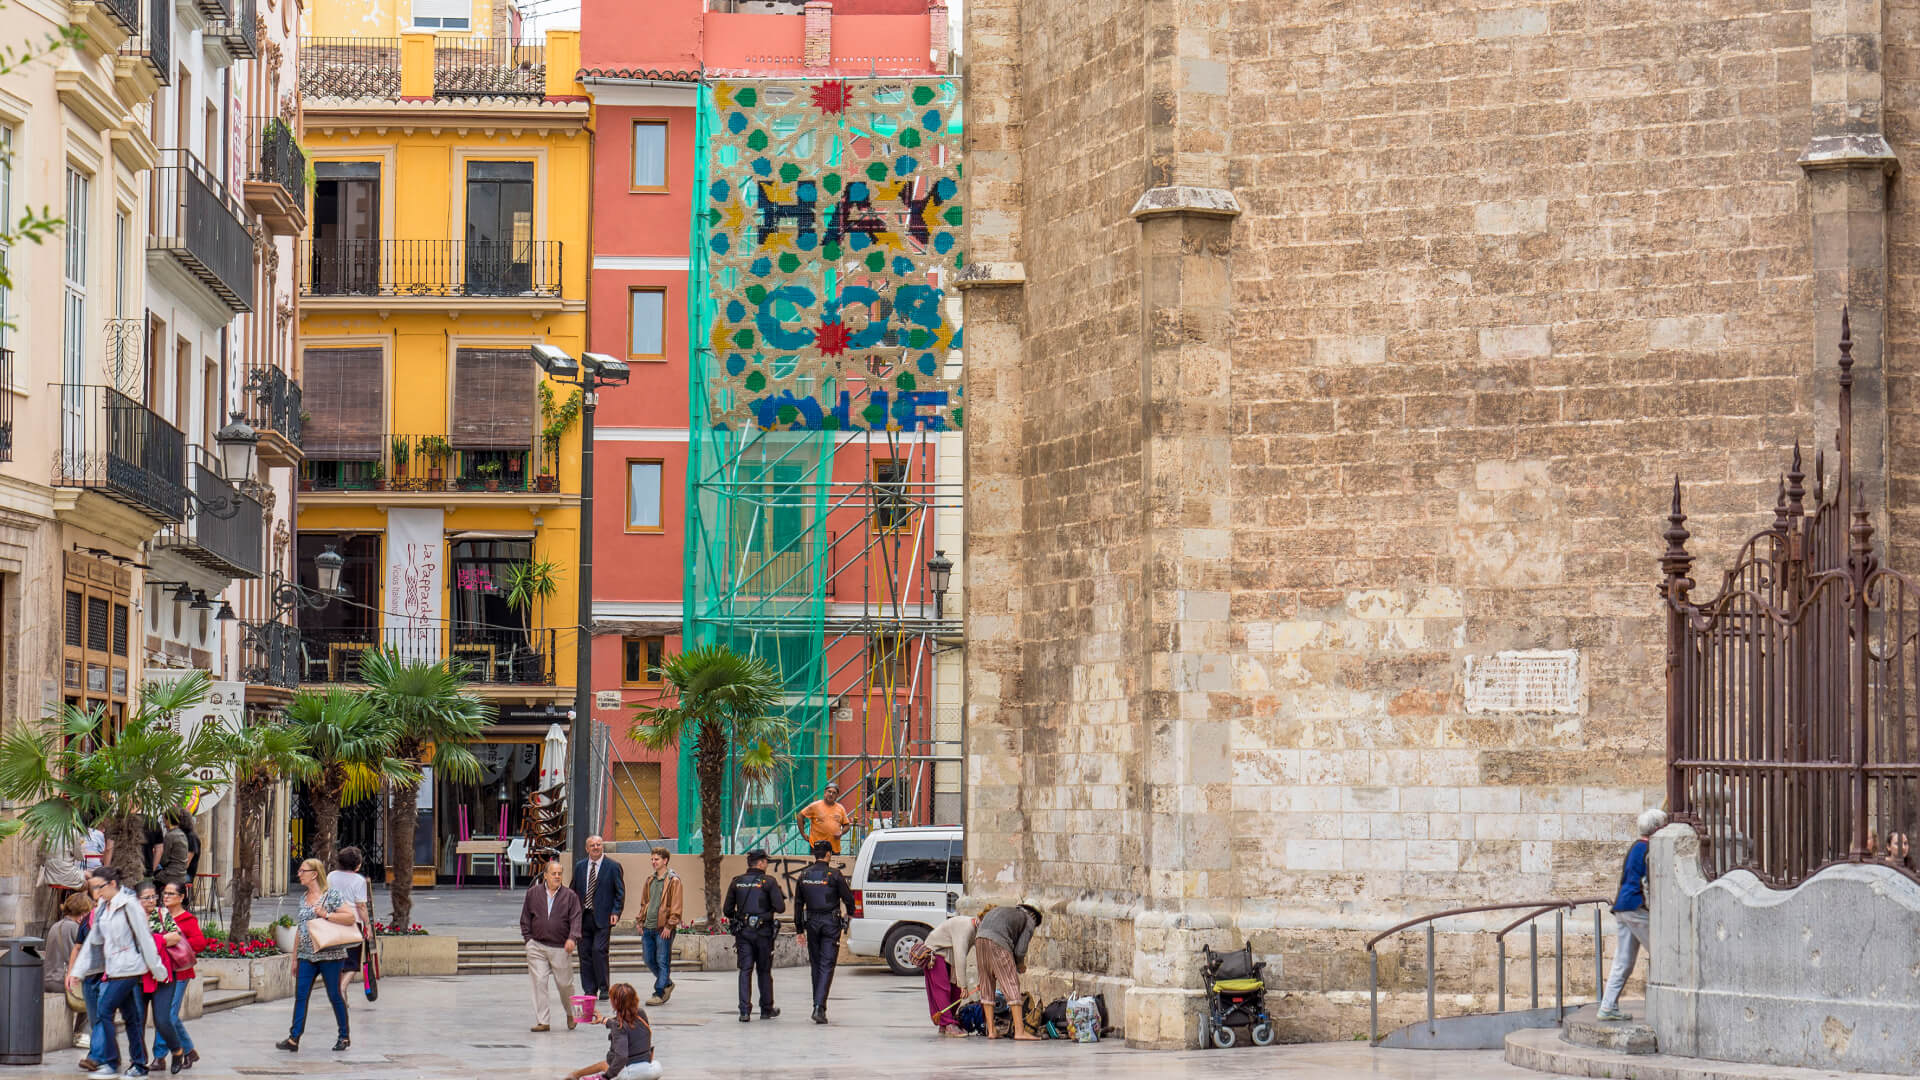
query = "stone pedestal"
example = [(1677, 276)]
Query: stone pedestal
[(1825, 976)]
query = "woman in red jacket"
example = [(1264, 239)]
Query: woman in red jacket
[(174, 896)]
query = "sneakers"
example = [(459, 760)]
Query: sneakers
[(1613, 1014), (666, 993), (656, 999), (134, 1072), (104, 1072)]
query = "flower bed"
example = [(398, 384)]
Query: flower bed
[(384, 930), (258, 943)]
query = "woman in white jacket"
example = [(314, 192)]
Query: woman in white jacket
[(120, 948)]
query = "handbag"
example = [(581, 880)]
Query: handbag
[(327, 934), (76, 998), (180, 955)]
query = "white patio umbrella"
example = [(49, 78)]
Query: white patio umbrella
[(553, 758)]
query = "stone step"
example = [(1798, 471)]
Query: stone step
[(1583, 1027), (222, 1000)]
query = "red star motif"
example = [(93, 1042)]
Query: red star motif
[(831, 96), (830, 339)]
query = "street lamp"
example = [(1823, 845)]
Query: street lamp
[(939, 573), (590, 372), (270, 635), (238, 443)]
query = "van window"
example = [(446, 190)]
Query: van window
[(956, 864), (916, 862)]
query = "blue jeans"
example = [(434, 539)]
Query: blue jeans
[(170, 1033), (329, 972), (123, 996), (97, 1023), (658, 949)]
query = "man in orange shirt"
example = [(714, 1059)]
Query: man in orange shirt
[(825, 819)]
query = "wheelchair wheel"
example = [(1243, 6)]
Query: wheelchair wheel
[(1223, 1036), (1261, 1034)]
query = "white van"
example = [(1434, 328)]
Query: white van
[(906, 882)]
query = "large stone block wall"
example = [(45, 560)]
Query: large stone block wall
[(1394, 377)]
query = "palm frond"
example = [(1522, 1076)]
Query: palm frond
[(457, 763)]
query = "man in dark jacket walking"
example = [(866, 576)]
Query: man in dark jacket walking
[(602, 889), (819, 895), (550, 925), (754, 903)]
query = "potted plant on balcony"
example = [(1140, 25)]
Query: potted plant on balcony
[(377, 476), (401, 452), (556, 419), (489, 471), (436, 450)]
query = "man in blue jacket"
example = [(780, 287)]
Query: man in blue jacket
[(1630, 915)]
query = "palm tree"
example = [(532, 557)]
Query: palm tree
[(75, 769), (257, 757), (428, 702), (353, 748), (725, 703)]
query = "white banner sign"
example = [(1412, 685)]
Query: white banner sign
[(225, 707), (416, 575)]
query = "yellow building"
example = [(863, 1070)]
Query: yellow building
[(448, 235)]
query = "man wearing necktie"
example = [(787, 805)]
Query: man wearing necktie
[(603, 893)]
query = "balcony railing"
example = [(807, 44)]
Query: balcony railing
[(274, 156), (127, 354), (489, 67), (273, 403), (203, 227), (152, 39), (498, 655), (6, 404), (230, 545), (349, 67), (270, 655), (237, 26), (112, 444), (427, 463), (124, 12), (384, 268)]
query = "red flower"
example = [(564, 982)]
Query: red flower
[(831, 339), (831, 96)]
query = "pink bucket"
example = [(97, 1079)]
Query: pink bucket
[(582, 1005)]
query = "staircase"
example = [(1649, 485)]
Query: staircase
[(508, 956), (213, 999)]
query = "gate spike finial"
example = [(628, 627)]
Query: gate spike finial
[(1796, 484), (1675, 562), (1780, 506), (1846, 348)]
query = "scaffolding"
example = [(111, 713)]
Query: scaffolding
[(809, 533)]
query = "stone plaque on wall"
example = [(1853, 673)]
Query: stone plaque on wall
[(1526, 681)]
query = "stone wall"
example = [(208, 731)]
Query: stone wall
[(1317, 360), (1826, 975)]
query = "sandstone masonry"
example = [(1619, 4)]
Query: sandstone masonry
[(1319, 353)]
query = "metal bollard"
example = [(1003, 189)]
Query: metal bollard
[(1373, 998), (1502, 944), (1533, 961), (1560, 963), (1430, 979), (1599, 978)]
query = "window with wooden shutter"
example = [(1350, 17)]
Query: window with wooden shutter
[(344, 395), (493, 392), (94, 661)]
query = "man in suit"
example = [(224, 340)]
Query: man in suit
[(603, 894)]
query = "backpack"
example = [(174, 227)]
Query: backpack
[(971, 1018), (1030, 1017), (1053, 1020)]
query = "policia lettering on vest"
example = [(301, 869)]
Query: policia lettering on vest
[(754, 903), (820, 894)]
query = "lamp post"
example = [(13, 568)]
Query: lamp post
[(939, 574), (270, 635), (591, 372)]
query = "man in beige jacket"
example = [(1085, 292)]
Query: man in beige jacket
[(658, 921)]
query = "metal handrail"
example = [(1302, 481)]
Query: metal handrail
[(1534, 908)]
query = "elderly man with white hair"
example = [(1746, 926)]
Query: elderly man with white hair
[(1630, 915)]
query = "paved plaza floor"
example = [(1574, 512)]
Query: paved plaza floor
[(476, 1026)]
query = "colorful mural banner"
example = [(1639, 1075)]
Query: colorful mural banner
[(831, 236)]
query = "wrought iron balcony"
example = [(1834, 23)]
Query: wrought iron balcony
[(236, 26), (500, 656), (112, 444), (229, 544), (203, 227), (349, 67), (270, 655), (6, 404), (124, 12), (126, 347), (489, 67), (443, 268), (276, 185), (152, 38), (273, 405), (427, 463)]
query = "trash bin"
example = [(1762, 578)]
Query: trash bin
[(21, 1008)]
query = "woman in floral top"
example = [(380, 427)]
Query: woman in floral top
[(320, 902)]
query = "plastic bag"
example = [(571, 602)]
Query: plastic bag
[(1083, 1019)]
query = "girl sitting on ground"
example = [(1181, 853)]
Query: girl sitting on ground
[(629, 1041)]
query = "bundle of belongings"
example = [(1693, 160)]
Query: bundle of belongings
[(1082, 1019)]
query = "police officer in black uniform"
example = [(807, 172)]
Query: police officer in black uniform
[(754, 900), (819, 895)]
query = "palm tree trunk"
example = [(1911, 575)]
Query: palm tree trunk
[(326, 822), (249, 822), (710, 763), (402, 821), (129, 838)]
